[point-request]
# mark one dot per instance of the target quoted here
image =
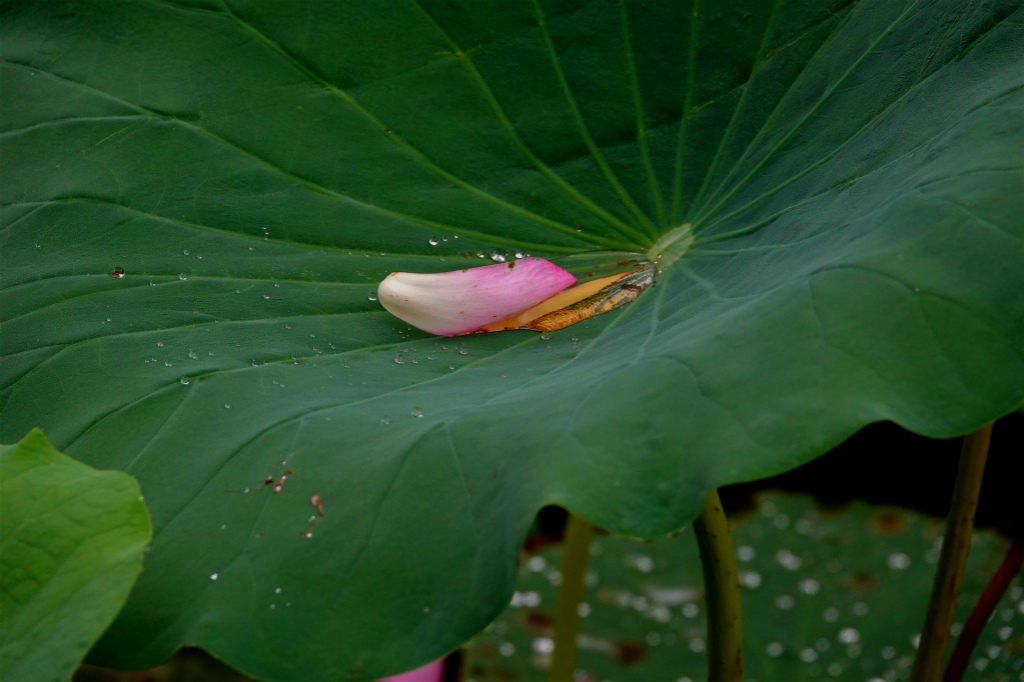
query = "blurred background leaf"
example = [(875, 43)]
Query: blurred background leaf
[(829, 594)]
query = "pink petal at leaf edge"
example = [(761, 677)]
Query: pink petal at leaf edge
[(431, 672)]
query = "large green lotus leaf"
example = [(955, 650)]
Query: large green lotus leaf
[(852, 172), (71, 544)]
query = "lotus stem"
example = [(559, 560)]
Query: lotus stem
[(573, 567), (955, 546), (983, 610), (722, 591)]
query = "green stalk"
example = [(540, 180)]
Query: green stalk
[(722, 590), (955, 545), (573, 567)]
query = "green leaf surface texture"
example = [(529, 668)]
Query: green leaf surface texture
[(71, 545), (852, 172)]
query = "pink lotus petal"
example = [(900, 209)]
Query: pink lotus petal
[(462, 301), (431, 672)]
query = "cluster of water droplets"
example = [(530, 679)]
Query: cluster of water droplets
[(434, 241)]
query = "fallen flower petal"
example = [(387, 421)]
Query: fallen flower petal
[(580, 302), (557, 302), (462, 301), (615, 295)]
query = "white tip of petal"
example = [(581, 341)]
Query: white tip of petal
[(462, 301)]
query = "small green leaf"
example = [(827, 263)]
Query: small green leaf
[(71, 544)]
